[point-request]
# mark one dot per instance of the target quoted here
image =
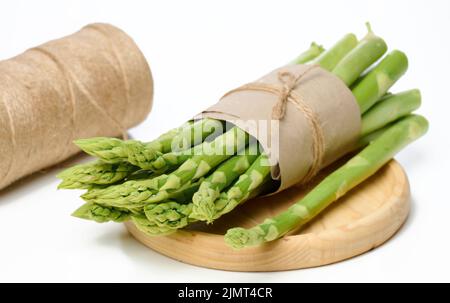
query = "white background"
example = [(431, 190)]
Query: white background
[(198, 50)]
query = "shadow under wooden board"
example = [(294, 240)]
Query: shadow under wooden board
[(363, 219)]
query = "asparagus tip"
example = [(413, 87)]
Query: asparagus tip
[(90, 145), (204, 205), (82, 212), (90, 195), (64, 185), (203, 212), (63, 174), (237, 238)]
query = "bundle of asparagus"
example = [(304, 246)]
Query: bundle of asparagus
[(198, 173)]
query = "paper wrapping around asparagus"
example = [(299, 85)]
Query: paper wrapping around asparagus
[(95, 82), (322, 120)]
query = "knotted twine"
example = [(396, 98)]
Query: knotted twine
[(319, 119), (95, 82)]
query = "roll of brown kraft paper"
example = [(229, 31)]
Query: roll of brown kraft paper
[(95, 82)]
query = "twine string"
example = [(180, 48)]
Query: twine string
[(286, 93), (289, 82)]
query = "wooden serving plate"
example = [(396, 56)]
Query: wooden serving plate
[(358, 222)]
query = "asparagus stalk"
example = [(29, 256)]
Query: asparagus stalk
[(135, 193), (101, 214), (199, 132), (389, 109), (134, 196), (355, 171), (151, 229), (222, 148), (130, 195), (368, 50), (83, 176), (310, 54), (369, 138), (113, 150), (222, 177), (169, 215), (329, 59), (109, 150), (378, 81), (101, 173), (168, 161), (243, 189)]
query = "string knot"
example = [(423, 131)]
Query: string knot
[(289, 82)]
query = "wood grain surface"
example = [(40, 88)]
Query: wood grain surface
[(363, 219)]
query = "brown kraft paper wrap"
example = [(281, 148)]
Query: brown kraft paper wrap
[(318, 118), (95, 82)]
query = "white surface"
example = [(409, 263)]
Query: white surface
[(197, 51)]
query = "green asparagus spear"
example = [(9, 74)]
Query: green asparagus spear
[(83, 176), (330, 58), (390, 109), (114, 150), (369, 138), (172, 160), (130, 195), (215, 152), (243, 189), (151, 229), (378, 81), (135, 201), (355, 171), (134, 194), (109, 150), (101, 214), (188, 137), (174, 215), (169, 215), (313, 51), (221, 178), (368, 50)]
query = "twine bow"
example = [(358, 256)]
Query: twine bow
[(289, 82), (286, 93)]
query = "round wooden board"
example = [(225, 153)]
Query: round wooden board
[(360, 221)]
